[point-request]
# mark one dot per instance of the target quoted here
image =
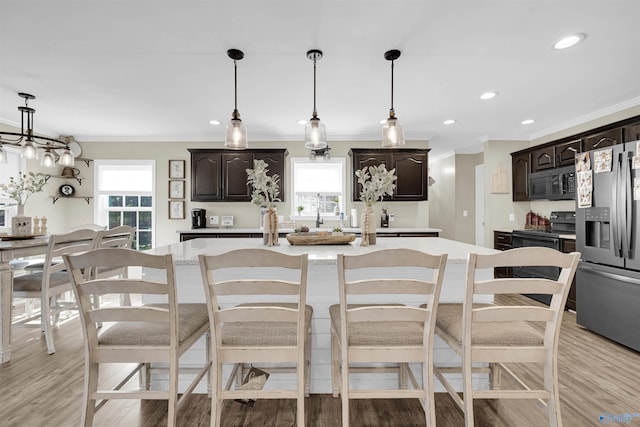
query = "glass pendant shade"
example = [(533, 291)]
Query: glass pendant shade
[(3, 155), (28, 151), (315, 135), (392, 133), (66, 158), (236, 135), (48, 160)]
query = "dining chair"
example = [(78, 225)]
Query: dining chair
[(143, 335), (117, 237), (487, 337), (259, 318), (380, 328), (53, 280)]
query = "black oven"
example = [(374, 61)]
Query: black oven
[(561, 223)]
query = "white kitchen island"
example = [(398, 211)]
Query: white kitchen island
[(322, 288)]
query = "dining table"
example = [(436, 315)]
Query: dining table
[(10, 249)]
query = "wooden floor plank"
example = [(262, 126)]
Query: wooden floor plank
[(596, 376)]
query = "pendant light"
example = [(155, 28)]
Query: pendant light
[(236, 132), (315, 135), (392, 131)]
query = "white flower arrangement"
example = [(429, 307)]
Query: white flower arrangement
[(376, 182), (265, 188), (27, 184)]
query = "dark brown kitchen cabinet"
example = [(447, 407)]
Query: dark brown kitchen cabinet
[(206, 175), (219, 175), (566, 152), (632, 132), (542, 159), (602, 139), (411, 167), (520, 176), (502, 242), (234, 176), (567, 246)]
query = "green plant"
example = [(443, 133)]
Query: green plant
[(265, 188), (24, 187), (337, 229), (300, 209), (376, 182)]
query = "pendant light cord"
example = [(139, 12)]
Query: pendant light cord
[(235, 84), (392, 63), (314, 86)]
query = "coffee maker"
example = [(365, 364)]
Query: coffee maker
[(198, 218)]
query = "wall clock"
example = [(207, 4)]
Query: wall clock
[(67, 190)]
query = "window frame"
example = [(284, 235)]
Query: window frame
[(294, 161), (101, 213)]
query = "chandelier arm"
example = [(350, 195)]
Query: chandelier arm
[(34, 138)]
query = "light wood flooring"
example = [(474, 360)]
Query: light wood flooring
[(36, 389)]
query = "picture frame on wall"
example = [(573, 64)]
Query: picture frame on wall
[(176, 209), (176, 169), (176, 189)]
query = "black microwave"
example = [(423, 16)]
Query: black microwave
[(553, 184)]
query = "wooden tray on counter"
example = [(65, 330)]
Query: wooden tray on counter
[(320, 239)]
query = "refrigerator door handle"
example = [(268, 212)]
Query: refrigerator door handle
[(607, 275), (628, 204), (615, 230)]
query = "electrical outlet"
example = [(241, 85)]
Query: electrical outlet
[(214, 220), (512, 217), (465, 213), (392, 218)]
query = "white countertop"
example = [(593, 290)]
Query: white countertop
[(212, 230), (187, 252)]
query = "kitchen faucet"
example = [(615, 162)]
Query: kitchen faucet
[(319, 221)]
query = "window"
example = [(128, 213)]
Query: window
[(317, 185), (15, 164), (125, 196)]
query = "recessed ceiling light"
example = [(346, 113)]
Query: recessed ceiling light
[(568, 41), (214, 122), (488, 95), (449, 122), (527, 121), (302, 122)]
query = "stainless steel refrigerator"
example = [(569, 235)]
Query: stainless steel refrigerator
[(608, 277)]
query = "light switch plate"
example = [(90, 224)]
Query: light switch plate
[(214, 220)]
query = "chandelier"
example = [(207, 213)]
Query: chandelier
[(54, 149)]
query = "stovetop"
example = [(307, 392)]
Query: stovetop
[(562, 222)]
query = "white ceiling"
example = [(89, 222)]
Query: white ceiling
[(157, 70)]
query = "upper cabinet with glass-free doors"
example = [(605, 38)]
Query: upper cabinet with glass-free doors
[(411, 165), (221, 175)]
